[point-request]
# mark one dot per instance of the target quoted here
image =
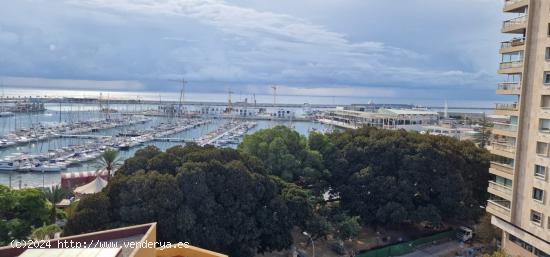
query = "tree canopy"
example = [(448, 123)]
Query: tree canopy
[(21, 211), (392, 177), (219, 199), (248, 200), (286, 154)]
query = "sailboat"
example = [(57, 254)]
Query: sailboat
[(3, 112)]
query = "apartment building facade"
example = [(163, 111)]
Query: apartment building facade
[(519, 187)]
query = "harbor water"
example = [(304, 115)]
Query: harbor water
[(74, 113)]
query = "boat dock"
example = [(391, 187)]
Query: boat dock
[(41, 132), (227, 134), (56, 160), (178, 140), (84, 136)]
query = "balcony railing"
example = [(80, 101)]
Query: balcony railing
[(501, 188), (505, 126), (507, 107), (510, 65), (512, 43), (514, 22), (507, 147), (511, 2), (509, 86), (503, 167), (498, 207)]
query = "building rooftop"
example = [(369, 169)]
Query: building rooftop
[(132, 241), (407, 112)]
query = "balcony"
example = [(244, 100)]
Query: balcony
[(510, 67), (506, 109), (515, 25), (515, 5), (507, 150), (507, 147), (514, 45), (501, 169), (505, 129), (500, 190), (505, 126), (509, 88), (499, 209)]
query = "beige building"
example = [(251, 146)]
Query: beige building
[(519, 187)]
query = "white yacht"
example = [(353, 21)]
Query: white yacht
[(48, 167), (8, 165), (6, 114)]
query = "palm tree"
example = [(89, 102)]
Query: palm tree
[(54, 195), (109, 159)]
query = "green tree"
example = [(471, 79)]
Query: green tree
[(286, 154), (45, 232), (485, 131), (393, 177), (20, 212), (146, 197), (486, 232), (139, 161), (109, 160), (54, 195), (219, 199), (346, 227), (92, 213)]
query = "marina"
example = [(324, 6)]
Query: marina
[(41, 131), (228, 134), (69, 138), (55, 160), (37, 148)]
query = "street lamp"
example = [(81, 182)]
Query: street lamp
[(312, 243)]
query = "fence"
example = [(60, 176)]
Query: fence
[(408, 247)]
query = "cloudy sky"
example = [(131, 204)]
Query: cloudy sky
[(398, 49)]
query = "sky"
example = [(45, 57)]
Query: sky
[(411, 50)]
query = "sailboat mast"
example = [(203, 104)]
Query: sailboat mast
[(182, 95)]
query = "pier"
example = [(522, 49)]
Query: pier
[(84, 136), (56, 160), (228, 134), (40, 132)]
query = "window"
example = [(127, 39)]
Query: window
[(502, 160), (542, 148), (503, 181), (512, 57), (520, 242), (540, 172), (545, 101), (538, 194), (513, 77), (536, 217), (547, 55), (547, 77), (544, 125)]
